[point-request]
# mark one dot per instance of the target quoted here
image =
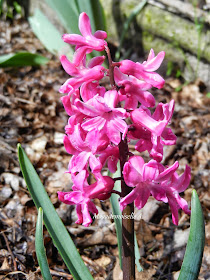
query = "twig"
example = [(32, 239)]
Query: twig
[(58, 273), (10, 251)]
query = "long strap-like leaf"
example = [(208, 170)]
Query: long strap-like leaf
[(53, 223), (195, 245), (40, 250)]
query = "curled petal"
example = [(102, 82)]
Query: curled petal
[(143, 195), (140, 117), (128, 199), (153, 63), (84, 25), (132, 171)]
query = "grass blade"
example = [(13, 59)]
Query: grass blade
[(195, 245), (21, 59), (40, 250), (53, 223)]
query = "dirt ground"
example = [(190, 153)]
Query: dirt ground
[(32, 114)]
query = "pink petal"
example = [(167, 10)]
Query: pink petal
[(86, 109), (97, 140), (87, 220), (168, 171), (157, 148), (61, 196), (174, 209), (75, 197), (99, 34), (94, 123), (80, 162), (146, 98), (132, 171), (74, 39), (95, 164), (143, 145), (183, 204), (183, 181), (105, 185), (131, 103), (84, 25), (79, 214), (143, 195), (92, 208), (112, 164), (80, 55), (128, 199), (111, 98), (98, 60), (151, 55), (152, 78), (169, 137), (141, 118), (69, 67), (154, 63), (150, 171), (80, 180), (68, 146)]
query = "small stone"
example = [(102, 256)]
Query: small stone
[(58, 138), (12, 180), (39, 144), (5, 193)]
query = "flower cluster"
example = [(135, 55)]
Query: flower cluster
[(100, 119)]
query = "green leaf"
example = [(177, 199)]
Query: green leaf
[(126, 24), (47, 33), (67, 12), (40, 250), (22, 59), (195, 245), (137, 254), (114, 199), (53, 223)]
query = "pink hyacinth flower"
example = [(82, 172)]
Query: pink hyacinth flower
[(93, 72), (133, 90), (83, 193), (90, 89), (158, 121), (84, 147), (104, 116), (92, 41), (145, 70), (152, 130), (154, 179), (111, 156)]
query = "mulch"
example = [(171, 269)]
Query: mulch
[(32, 114)]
